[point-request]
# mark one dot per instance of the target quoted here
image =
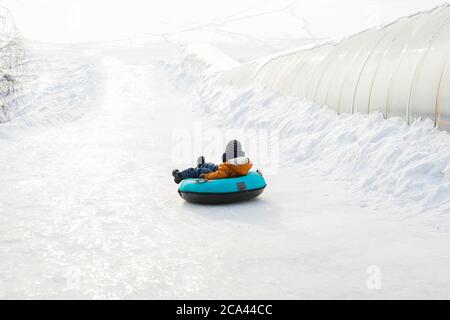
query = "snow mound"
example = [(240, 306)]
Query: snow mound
[(386, 159), (206, 58)]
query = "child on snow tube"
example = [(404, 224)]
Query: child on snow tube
[(234, 164)]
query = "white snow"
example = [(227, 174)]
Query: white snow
[(202, 58), (88, 208), (387, 159)]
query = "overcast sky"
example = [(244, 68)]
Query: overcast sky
[(92, 20)]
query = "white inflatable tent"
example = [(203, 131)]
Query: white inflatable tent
[(401, 69)]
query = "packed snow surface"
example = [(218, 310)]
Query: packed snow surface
[(88, 208)]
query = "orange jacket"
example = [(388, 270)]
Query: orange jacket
[(231, 169)]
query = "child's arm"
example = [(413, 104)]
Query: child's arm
[(219, 174)]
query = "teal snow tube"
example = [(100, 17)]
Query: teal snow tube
[(222, 190)]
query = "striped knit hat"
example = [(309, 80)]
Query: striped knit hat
[(233, 150)]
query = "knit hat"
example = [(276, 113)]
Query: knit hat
[(233, 150)]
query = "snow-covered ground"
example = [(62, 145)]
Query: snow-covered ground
[(88, 208), (356, 206)]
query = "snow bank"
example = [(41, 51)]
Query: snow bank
[(386, 159), (206, 58)]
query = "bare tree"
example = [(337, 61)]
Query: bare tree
[(12, 64)]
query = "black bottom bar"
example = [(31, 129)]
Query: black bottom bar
[(228, 309)]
